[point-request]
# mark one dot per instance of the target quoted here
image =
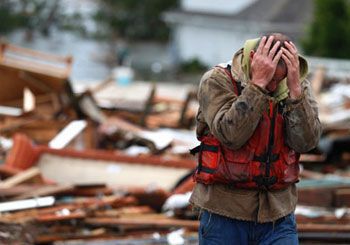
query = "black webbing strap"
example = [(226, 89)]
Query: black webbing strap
[(204, 147), (207, 170), (200, 148), (265, 181), (263, 158)]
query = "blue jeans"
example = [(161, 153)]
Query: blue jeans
[(217, 229)]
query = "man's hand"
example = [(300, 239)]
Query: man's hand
[(290, 56), (264, 62)]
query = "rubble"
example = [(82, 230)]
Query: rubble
[(110, 164)]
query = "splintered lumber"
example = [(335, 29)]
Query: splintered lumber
[(45, 191), (41, 72), (67, 134), (135, 97), (22, 177), (311, 174), (115, 123), (10, 111), (312, 158), (61, 216), (111, 201), (90, 190), (153, 198), (132, 211), (82, 234), (26, 204), (28, 100), (144, 223), (318, 196), (323, 220), (18, 190), (323, 228), (342, 197), (6, 171), (324, 237)]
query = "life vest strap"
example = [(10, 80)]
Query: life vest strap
[(263, 158), (262, 180), (204, 147)]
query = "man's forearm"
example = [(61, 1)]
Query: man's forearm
[(303, 128)]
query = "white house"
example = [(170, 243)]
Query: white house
[(212, 31)]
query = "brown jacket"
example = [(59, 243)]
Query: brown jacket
[(232, 120)]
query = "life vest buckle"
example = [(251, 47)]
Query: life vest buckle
[(261, 180)]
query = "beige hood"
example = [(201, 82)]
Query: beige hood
[(241, 68)]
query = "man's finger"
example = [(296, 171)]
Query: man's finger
[(286, 59), (268, 45), (289, 54), (274, 49), (277, 57), (291, 47), (261, 45)]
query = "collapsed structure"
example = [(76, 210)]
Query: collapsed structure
[(111, 163)]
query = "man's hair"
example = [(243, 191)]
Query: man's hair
[(277, 37)]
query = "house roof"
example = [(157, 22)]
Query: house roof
[(287, 16), (282, 11)]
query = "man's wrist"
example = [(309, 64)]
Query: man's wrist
[(295, 94), (259, 83)]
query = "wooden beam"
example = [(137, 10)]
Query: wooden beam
[(21, 177), (50, 190), (323, 228), (144, 223)]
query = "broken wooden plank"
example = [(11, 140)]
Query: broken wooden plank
[(73, 129), (342, 197), (142, 223), (17, 190), (323, 228), (322, 220), (48, 190), (6, 171), (27, 204), (22, 177), (28, 100), (10, 111), (90, 190), (82, 234), (311, 174), (61, 216), (131, 211)]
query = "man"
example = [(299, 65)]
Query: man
[(256, 116)]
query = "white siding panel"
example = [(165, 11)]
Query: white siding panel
[(210, 46), (217, 6)]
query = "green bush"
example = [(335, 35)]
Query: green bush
[(135, 19), (329, 33), (193, 66)]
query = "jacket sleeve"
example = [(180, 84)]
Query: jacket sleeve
[(231, 119), (303, 127)]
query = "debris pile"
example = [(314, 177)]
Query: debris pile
[(110, 162)]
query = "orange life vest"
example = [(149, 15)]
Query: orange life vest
[(265, 161)]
